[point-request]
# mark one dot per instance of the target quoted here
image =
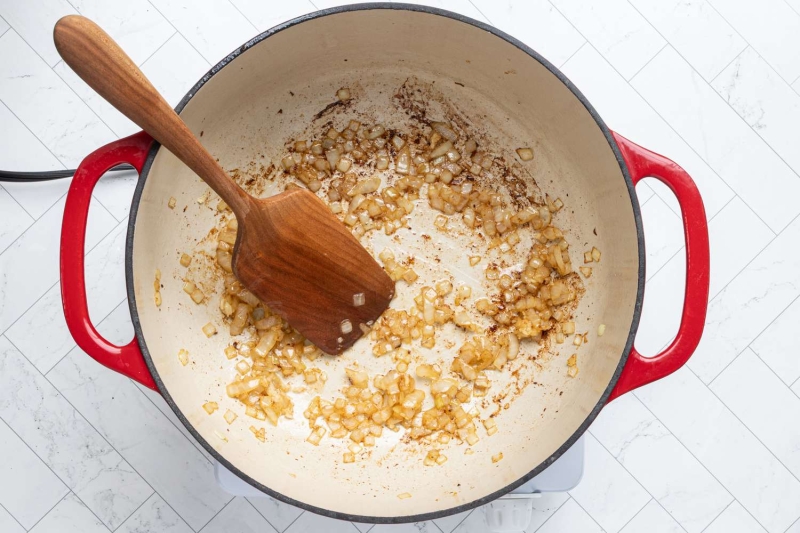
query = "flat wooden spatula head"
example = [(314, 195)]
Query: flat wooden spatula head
[(301, 261)]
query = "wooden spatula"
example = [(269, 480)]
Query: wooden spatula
[(290, 250)]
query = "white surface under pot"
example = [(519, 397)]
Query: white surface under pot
[(720, 460)]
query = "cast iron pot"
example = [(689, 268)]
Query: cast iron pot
[(520, 98)]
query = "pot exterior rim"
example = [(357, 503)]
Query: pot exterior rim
[(637, 311)]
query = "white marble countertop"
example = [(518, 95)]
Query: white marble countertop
[(712, 84)]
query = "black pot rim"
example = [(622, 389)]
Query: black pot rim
[(489, 497)]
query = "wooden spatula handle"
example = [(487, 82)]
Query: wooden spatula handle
[(102, 64)]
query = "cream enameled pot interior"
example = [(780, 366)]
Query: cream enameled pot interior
[(298, 70)]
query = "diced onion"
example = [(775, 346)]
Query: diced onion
[(316, 435), (410, 276), (333, 157), (441, 150), (462, 293), (375, 132), (343, 165), (260, 434), (364, 187), (444, 129), (358, 378), (386, 255), (513, 346), (429, 371), (198, 296), (238, 388), (243, 367), (526, 154), (428, 311), (288, 163), (240, 318), (157, 288), (266, 343), (209, 329)]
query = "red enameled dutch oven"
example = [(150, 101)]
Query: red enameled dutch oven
[(520, 99)]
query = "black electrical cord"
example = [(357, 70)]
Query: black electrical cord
[(10, 176)]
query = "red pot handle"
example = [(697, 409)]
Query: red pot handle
[(640, 370), (128, 359)]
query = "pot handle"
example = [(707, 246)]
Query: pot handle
[(127, 359), (641, 370)]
